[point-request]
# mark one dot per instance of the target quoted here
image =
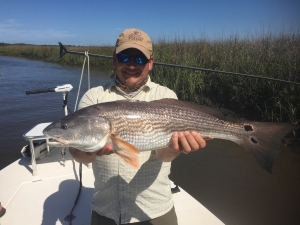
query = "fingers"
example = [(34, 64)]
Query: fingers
[(200, 141), (174, 142), (187, 141), (106, 150)]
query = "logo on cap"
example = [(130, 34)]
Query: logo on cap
[(136, 36)]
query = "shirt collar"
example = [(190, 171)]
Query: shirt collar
[(149, 84)]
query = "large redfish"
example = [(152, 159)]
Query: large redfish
[(134, 126)]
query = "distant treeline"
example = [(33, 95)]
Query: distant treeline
[(269, 55)]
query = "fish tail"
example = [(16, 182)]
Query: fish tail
[(263, 141)]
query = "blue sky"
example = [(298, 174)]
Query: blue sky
[(91, 22)]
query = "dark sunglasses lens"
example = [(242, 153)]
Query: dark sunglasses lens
[(123, 57), (138, 59)]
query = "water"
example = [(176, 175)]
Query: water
[(223, 177), (20, 112)]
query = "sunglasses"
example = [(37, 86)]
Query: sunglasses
[(138, 59)]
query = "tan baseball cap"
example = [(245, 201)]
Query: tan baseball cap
[(134, 38)]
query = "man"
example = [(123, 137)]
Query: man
[(2, 210), (123, 194)]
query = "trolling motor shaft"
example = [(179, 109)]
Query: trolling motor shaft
[(62, 88)]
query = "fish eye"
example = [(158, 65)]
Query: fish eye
[(64, 126)]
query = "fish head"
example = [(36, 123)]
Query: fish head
[(80, 130)]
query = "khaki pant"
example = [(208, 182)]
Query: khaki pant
[(169, 218)]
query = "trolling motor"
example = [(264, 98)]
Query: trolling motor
[(65, 89)]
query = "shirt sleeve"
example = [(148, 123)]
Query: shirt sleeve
[(163, 92), (90, 97), (170, 94)]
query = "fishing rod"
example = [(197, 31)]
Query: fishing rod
[(64, 51)]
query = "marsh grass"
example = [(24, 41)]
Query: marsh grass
[(50, 53), (269, 55), (274, 56)]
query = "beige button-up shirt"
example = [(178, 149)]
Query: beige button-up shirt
[(121, 192)]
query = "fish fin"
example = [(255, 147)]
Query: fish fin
[(203, 108), (127, 152), (263, 141)]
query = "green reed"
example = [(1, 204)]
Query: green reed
[(269, 55), (274, 56), (51, 53)]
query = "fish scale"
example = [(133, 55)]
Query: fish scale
[(163, 125), (144, 126)]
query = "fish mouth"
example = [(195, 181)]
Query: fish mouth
[(60, 140)]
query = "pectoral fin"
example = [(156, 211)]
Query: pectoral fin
[(126, 152)]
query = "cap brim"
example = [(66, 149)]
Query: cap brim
[(133, 45)]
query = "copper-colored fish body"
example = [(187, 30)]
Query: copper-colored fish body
[(149, 126)]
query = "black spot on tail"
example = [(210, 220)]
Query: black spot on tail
[(263, 141), (253, 140), (248, 127)]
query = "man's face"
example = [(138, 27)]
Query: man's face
[(130, 73)]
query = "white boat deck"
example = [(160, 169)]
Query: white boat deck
[(49, 197)]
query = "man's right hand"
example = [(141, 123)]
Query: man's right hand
[(87, 157), (106, 150)]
